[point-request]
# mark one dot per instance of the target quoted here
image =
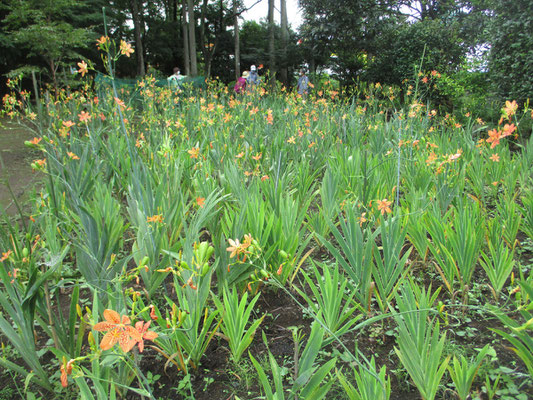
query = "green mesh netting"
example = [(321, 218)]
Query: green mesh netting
[(104, 82)]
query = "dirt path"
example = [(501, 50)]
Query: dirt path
[(15, 159)]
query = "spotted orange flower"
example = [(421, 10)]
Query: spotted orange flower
[(495, 157), (144, 333), (118, 330), (384, 206), (68, 124), (200, 201)]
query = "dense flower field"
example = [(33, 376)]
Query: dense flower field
[(175, 228)]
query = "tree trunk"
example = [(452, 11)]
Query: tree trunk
[(136, 16), (237, 41), (284, 41), (185, 34), (192, 37), (271, 39)]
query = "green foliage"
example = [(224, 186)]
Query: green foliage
[(511, 52), (235, 315)]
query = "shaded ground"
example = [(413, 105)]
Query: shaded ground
[(15, 159)]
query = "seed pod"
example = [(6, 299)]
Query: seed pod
[(25, 252), (283, 254)]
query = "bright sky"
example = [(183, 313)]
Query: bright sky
[(260, 11)]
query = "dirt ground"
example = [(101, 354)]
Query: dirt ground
[(15, 160)]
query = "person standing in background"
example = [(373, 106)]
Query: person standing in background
[(253, 78), (240, 85), (303, 84)]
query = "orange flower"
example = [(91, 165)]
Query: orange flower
[(425, 79), (495, 157), (84, 116), (120, 103), (200, 201), (384, 206), (144, 333), (83, 68), (6, 255), (125, 48), (269, 118), (240, 155), (510, 108), (35, 140), (494, 138), (194, 152), (155, 218), (73, 156), (68, 124), (264, 178), (103, 40), (66, 369), (508, 130), (431, 159), (258, 156), (152, 313), (119, 331)]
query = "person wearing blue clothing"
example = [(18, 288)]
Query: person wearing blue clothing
[(253, 78), (303, 83)]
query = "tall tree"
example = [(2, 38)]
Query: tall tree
[(284, 41), (192, 37), (136, 12), (185, 35), (271, 40), (43, 29), (237, 43)]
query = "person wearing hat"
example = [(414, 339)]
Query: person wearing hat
[(175, 80), (253, 78), (240, 85)]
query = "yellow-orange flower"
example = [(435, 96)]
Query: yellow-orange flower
[(495, 157), (125, 48), (5, 255), (510, 108), (84, 116), (118, 330), (200, 201), (83, 68), (194, 152), (384, 206), (102, 41)]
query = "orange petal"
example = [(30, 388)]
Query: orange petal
[(125, 320), (130, 331), (150, 335), (141, 346), (64, 378), (112, 316), (110, 339), (126, 343), (103, 326)]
